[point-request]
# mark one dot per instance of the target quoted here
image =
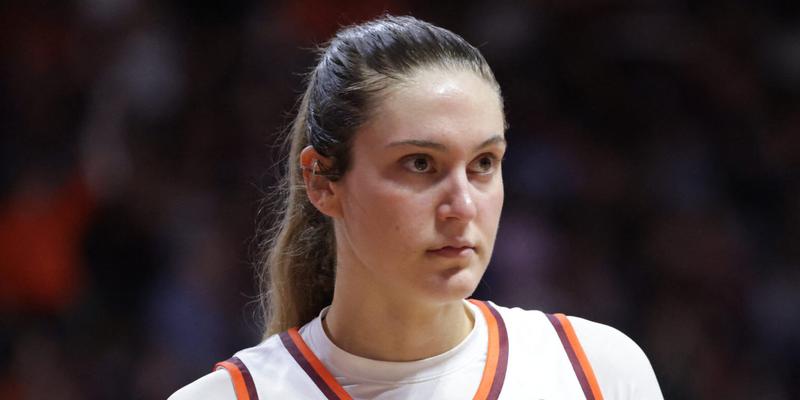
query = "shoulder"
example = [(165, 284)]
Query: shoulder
[(622, 368), (518, 319), (214, 386), (260, 360)]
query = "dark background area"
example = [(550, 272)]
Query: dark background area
[(652, 180)]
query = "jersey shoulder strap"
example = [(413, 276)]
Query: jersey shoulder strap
[(312, 366), (580, 363), (243, 384)]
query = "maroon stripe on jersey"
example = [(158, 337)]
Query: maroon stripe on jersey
[(248, 378), (573, 358), (306, 365), (502, 359)]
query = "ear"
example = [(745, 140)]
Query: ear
[(320, 189)]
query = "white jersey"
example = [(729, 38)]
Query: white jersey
[(509, 354)]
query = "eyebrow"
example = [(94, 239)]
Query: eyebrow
[(496, 139)]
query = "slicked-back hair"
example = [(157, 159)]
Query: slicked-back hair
[(353, 72)]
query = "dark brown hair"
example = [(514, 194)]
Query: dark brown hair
[(361, 62)]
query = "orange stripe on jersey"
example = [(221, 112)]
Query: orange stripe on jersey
[(243, 384), (496, 356), (320, 370), (494, 371), (584, 365)]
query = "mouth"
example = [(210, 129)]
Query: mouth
[(453, 251)]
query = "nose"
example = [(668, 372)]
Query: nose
[(458, 202)]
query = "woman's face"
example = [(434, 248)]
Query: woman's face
[(421, 202)]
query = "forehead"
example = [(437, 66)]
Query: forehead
[(438, 105)]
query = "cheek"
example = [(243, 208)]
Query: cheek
[(386, 211), (499, 201), (489, 221), (493, 199), (490, 210)]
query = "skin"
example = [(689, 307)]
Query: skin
[(415, 216)]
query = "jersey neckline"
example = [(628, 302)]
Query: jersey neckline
[(341, 362), (493, 373)]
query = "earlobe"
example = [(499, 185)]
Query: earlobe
[(319, 187)]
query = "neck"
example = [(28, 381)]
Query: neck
[(378, 327)]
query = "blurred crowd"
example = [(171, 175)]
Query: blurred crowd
[(652, 181)]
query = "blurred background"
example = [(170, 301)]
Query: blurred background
[(653, 180)]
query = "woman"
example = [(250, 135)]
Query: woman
[(393, 199)]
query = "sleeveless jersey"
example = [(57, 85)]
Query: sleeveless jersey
[(530, 355)]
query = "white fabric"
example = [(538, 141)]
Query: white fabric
[(457, 370), (538, 367)]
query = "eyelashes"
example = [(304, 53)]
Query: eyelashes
[(419, 163), (484, 164)]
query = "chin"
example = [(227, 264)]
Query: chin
[(454, 284)]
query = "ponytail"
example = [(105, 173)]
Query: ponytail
[(297, 277), (297, 272)]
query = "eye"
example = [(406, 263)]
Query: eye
[(484, 164), (419, 163)]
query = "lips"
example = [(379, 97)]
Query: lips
[(454, 250)]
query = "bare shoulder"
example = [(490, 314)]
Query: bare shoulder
[(216, 385), (622, 368)]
